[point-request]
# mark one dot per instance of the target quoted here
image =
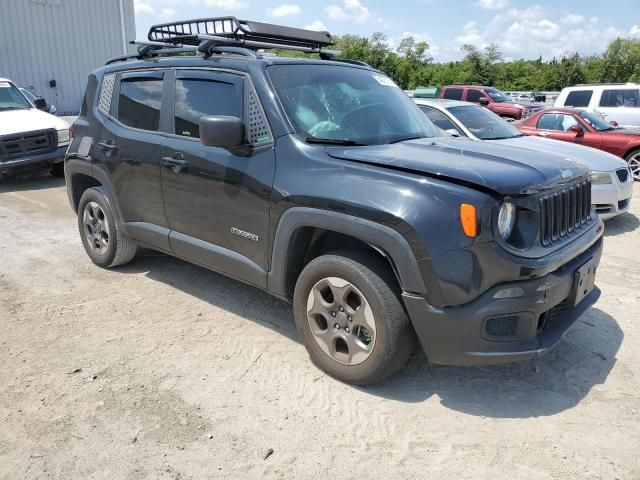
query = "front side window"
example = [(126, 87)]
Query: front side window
[(453, 94), (578, 98), (483, 123), (139, 102), (557, 121), (620, 98), (198, 97), (11, 98), (343, 104), (439, 119), (474, 95)]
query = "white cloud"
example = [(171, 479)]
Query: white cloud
[(139, 7), (539, 31), (635, 31), (167, 13), (226, 4), (352, 10), (492, 4), (316, 25), (284, 10)]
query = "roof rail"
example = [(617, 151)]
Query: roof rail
[(604, 84), (245, 33)]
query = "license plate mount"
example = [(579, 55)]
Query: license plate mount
[(584, 281)]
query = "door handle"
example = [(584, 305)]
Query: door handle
[(177, 163), (108, 147), (544, 134)]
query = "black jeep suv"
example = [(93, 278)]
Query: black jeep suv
[(321, 182)]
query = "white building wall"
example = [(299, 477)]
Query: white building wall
[(61, 40)]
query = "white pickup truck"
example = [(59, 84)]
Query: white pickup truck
[(29, 137)]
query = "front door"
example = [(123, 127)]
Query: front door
[(217, 202)]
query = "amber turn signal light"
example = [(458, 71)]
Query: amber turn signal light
[(468, 220)]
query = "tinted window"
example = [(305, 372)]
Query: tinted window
[(578, 98), (453, 93), (620, 98), (474, 95), (556, 121), (197, 98), (139, 102), (439, 119)]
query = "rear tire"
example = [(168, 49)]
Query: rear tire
[(350, 317), (104, 242)]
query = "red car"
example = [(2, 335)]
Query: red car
[(492, 98), (586, 128)]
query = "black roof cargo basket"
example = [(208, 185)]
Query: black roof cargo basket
[(250, 34)]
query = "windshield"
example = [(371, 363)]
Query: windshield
[(483, 123), (596, 121), (497, 95), (346, 105), (11, 98)]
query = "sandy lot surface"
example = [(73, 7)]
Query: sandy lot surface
[(161, 369)]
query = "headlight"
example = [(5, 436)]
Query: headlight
[(63, 137), (506, 219), (600, 178)]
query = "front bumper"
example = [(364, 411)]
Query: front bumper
[(54, 156), (544, 311), (612, 199)]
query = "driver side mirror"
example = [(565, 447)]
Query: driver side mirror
[(613, 123), (222, 131), (484, 101), (577, 129), (40, 103)]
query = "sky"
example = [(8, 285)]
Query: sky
[(521, 29)]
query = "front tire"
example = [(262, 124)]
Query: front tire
[(351, 319), (104, 242), (633, 159)]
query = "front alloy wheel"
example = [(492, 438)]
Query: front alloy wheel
[(634, 163)]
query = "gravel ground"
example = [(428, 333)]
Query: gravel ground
[(161, 369)]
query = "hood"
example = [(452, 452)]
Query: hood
[(28, 120), (500, 168), (622, 131), (590, 157)]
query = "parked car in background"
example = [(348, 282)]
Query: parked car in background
[(29, 137), (491, 98), (618, 102), (588, 129), (39, 102), (539, 97), (611, 180), (321, 182)]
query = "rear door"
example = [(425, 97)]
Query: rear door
[(217, 202), (621, 105), (128, 149)]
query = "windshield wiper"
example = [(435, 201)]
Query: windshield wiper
[(333, 141), (406, 139), (10, 108)]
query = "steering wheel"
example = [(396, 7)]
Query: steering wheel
[(362, 115)]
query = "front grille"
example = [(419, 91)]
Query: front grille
[(547, 319), (564, 211), (623, 175), (17, 145)]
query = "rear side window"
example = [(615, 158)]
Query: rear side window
[(139, 102), (196, 98), (620, 98), (578, 98), (439, 119), (453, 93), (474, 95)]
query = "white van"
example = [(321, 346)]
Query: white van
[(618, 102), (29, 137)]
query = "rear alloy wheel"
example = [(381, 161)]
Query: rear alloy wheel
[(633, 159), (104, 242), (349, 315)]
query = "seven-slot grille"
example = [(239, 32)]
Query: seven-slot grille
[(17, 145), (564, 211), (623, 175)]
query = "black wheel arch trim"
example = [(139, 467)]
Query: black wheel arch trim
[(384, 239)]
